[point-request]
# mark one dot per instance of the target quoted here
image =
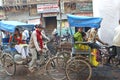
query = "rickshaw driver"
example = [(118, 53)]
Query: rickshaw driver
[(92, 38), (36, 45)]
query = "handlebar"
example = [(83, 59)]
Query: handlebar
[(105, 46)]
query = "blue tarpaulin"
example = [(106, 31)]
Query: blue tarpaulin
[(11, 25), (83, 21)]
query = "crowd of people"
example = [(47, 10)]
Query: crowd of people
[(35, 40)]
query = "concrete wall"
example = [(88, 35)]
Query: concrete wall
[(22, 15)]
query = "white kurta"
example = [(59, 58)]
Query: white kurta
[(22, 50), (116, 39)]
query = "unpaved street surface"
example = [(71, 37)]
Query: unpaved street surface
[(99, 73)]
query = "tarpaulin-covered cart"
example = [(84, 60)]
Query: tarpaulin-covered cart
[(75, 65), (7, 58), (78, 67)]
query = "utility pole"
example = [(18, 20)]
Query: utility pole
[(60, 15)]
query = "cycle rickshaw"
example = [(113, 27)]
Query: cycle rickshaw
[(75, 66), (8, 54)]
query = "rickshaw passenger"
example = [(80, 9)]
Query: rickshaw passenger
[(16, 38), (25, 36), (16, 42), (80, 36)]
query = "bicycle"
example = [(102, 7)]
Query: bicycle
[(113, 57), (10, 60), (8, 63), (104, 54)]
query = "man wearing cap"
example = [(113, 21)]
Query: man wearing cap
[(36, 45)]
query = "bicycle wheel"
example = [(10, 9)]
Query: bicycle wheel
[(56, 72), (114, 61), (64, 54), (8, 64), (78, 70), (104, 59)]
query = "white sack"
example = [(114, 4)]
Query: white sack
[(109, 10)]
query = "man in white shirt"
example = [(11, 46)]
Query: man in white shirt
[(36, 45), (116, 45), (116, 41)]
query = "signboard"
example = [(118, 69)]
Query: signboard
[(78, 7), (49, 14), (34, 21), (47, 8)]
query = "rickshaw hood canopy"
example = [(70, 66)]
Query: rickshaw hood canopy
[(11, 25), (83, 21)]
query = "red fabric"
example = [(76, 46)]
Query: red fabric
[(39, 38), (18, 40)]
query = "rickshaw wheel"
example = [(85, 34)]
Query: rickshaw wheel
[(65, 55), (56, 72), (8, 64), (78, 70), (114, 61)]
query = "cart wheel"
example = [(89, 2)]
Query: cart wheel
[(114, 61), (78, 70), (64, 54), (55, 68), (8, 64), (104, 59)]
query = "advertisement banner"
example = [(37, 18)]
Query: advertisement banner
[(78, 7), (34, 21)]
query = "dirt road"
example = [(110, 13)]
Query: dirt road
[(99, 73)]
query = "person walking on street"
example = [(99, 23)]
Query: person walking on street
[(116, 44)]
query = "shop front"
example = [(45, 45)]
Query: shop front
[(48, 14)]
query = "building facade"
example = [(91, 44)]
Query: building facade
[(48, 12)]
